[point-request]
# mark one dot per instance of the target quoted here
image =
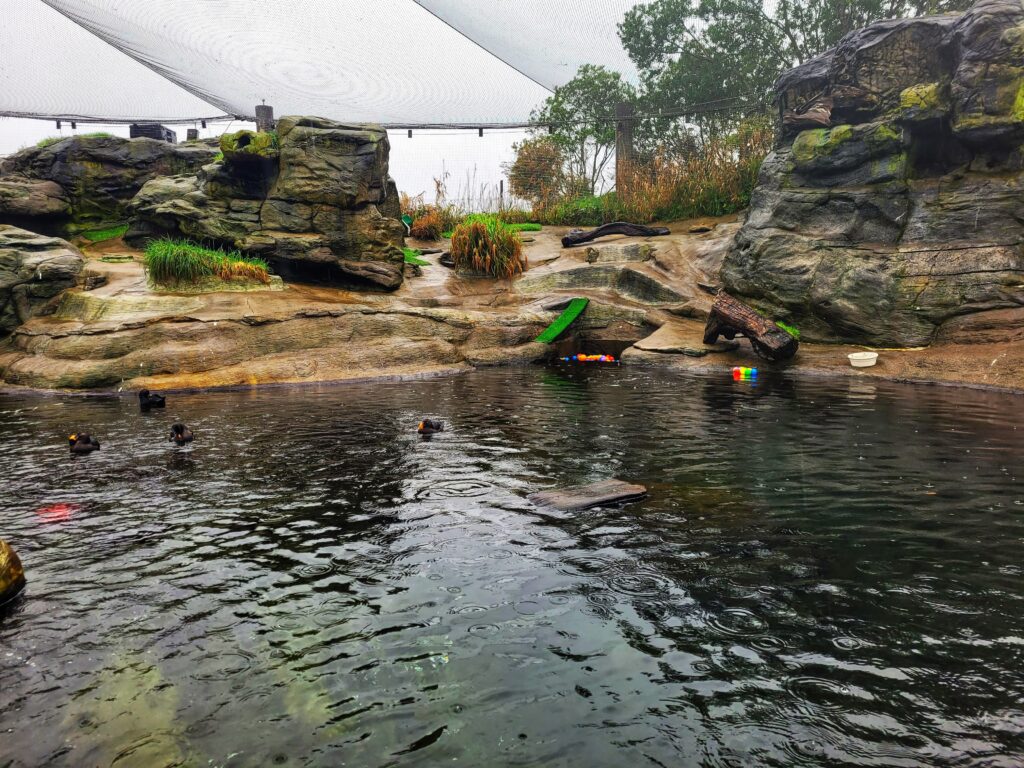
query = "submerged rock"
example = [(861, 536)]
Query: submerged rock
[(12, 575), (85, 182), (34, 269), (906, 211), (310, 198)]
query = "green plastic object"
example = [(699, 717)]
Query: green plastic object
[(407, 220), (569, 314)]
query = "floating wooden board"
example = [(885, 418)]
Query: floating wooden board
[(587, 496)]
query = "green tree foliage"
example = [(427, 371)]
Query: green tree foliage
[(581, 115), (697, 51)]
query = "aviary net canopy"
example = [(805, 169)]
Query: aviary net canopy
[(397, 62)]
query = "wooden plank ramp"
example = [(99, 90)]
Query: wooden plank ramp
[(598, 494)]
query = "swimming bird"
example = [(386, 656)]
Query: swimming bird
[(430, 426), (83, 442), (181, 434), (147, 401)]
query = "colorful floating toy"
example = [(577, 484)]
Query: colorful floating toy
[(740, 373), (589, 359)]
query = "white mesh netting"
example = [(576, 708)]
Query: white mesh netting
[(388, 61)]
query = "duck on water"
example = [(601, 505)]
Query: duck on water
[(149, 400), (83, 442)]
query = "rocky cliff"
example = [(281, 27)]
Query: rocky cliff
[(892, 211), (85, 182), (308, 198), (34, 271)]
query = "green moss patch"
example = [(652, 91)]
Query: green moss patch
[(818, 142), (250, 144), (109, 233)]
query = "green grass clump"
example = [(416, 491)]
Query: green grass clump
[(99, 235), (169, 262), (789, 329), (412, 256), (488, 246)]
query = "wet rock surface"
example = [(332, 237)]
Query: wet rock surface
[(85, 182), (34, 270), (309, 198), (906, 214)]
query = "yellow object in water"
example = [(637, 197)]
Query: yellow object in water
[(12, 575)]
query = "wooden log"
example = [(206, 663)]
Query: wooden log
[(730, 317), (587, 496), (580, 236)]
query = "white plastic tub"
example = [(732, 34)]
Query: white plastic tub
[(863, 359)]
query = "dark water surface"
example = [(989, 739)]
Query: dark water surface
[(825, 573)]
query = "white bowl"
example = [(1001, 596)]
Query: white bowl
[(863, 359)]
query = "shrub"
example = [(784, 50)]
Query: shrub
[(590, 211), (537, 172), (170, 261), (712, 178), (428, 226), (488, 246)]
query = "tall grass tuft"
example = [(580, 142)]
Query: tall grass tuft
[(488, 246), (169, 262)]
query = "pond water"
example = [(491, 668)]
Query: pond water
[(824, 573)]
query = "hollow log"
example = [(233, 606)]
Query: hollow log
[(580, 236), (730, 317)]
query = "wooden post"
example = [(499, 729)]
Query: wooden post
[(264, 118), (624, 157), (501, 193)]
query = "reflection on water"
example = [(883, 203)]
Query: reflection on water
[(824, 573)]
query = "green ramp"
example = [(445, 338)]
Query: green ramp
[(569, 314)]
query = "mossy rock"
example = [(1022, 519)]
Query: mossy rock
[(820, 142), (923, 102), (825, 151), (12, 575), (246, 146)]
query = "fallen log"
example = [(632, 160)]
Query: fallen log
[(580, 236), (730, 317)]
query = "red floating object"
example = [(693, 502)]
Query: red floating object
[(57, 513)]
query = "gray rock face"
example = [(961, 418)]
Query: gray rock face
[(83, 183), (33, 270), (309, 200), (907, 214)]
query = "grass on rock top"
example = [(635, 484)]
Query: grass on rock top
[(169, 262), (99, 235), (54, 139)]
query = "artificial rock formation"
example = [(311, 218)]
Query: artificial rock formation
[(309, 198), (34, 270), (12, 575), (85, 182), (902, 221)]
